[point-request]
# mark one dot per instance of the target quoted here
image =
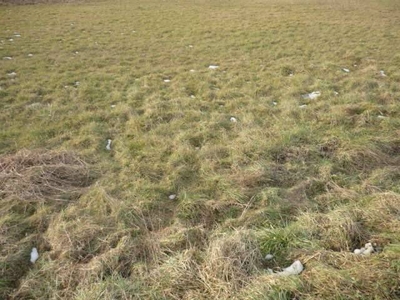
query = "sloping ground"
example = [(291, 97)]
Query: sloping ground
[(187, 203)]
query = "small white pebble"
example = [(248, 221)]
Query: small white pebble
[(12, 74), (133, 31), (303, 106), (30, 55), (108, 146), (346, 70), (291, 75), (7, 58), (34, 255), (192, 70), (190, 46), (355, 65), (269, 256), (381, 117), (113, 106), (197, 148), (213, 67), (274, 103), (383, 73), (11, 40), (17, 35), (294, 269), (76, 52), (336, 93), (192, 96), (172, 197), (233, 119), (77, 83), (167, 80)]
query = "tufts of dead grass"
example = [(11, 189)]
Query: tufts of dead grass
[(231, 260), (39, 175)]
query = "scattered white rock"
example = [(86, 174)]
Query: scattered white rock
[(346, 70), (12, 74), (192, 96), (312, 96), (291, 75), (77, 83), (17, 35), (303, 106), (213, 67), (269, 256), (7, 58), (30, 55), (192, 70), (233, 119), (381, 117), (108, 146), (336, 93), (11, 40), (383, 73), (294, 269), (113, 106), (366, 250), (34, 255), (197, 148), (274, 103), (133, 31), (355, 65), (34, 105), (190, 46), (172, 197), (167, 80), (369, 249)]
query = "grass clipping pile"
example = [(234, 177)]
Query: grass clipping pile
[(33, 186)]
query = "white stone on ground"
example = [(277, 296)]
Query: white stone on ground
[(172, 197), (108, 146), (213, 67), (233, 119), (312, 96), (34, 255), (366, 250), (294, 269), (269, 256)]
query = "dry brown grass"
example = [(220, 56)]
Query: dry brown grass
[(43, 176)]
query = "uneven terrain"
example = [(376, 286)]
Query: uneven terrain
[(209, 169)]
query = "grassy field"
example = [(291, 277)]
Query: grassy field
[(307, 179)]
